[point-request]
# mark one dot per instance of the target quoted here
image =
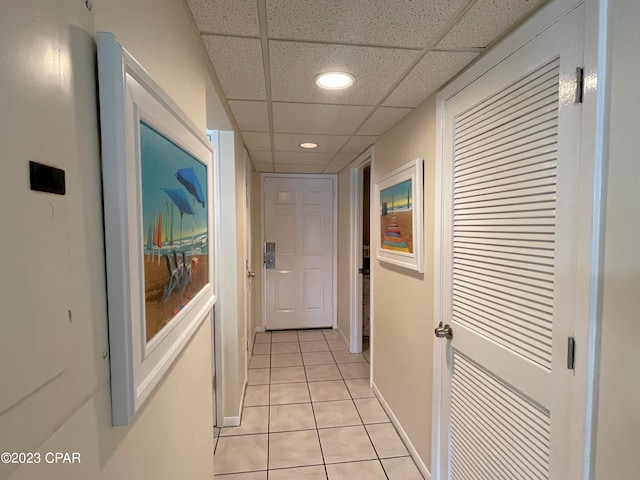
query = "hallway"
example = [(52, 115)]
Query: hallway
[(309, 414)]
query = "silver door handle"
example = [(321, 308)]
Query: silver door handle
[(251, 274), (443, 331)]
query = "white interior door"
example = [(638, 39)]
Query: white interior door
[(511, 150), (299, 219)]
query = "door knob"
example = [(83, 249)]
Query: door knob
[(251, 274), (443, 331)]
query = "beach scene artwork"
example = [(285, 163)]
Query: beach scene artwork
[(396, 217), (176, 231)]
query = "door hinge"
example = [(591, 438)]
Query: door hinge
[(579, 84), (571, 353)]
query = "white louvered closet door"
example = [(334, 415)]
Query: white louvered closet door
[(511, 151)]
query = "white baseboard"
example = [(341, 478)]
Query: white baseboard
[(260, 329), (231, 421), (403, 435), (235, 421)]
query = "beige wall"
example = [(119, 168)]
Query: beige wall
[(618, 425), (402, 340), (56, 395)]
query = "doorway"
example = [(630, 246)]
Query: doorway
[(366, 261), (299, 235), (360, 278)]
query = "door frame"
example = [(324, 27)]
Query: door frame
[(248, 263), (355, 252), (589, 256), (334, 221)]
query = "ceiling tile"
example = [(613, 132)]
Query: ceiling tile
[(303, 158), (257, 140), (290, 142), (238, 17), (260, 157), (238, 64), (263, 167), (333, 169), (486, 21), (251, 116), (299, 168), (358, 143), (375, 71), (427, 76), (382, 120), (343, 158), (406, 23), (321, 119)]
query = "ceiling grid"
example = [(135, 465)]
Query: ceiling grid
[(267, 53)]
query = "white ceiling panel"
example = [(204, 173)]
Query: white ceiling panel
[(343, 158), (303, 158), (382, 120), (257, 140), (263, 167), (260, 157), (375, 40), (321, 119), (290, 142), (487, 20), (238, 63), (252, 116), (358, 143), (237, 17), (375, 71), (332, 169), (427, 76), (405, 23), (299, 168)]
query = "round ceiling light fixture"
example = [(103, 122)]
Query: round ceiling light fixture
[(309, 145), (335, 80)]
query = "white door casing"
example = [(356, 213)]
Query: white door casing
[(356, 201), (510, 192), (249, 273), (299, 217)]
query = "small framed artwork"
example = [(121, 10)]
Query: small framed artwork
[(398, 219), (157, 171)]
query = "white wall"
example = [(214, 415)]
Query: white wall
[(258, 260), (231, 366), (344, 239), (618, 424), (55, 392)]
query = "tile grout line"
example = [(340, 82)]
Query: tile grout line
[(364, 425), (352, 397), (269, 405), (313, 411)]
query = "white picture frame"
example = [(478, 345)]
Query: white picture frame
[(398, 216), (149, 269)]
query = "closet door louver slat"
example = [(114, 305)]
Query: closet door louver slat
[(504, 202)]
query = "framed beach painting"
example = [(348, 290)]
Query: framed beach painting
[(398, 204), (158, 188)]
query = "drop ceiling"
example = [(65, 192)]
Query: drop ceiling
[(267, 53)]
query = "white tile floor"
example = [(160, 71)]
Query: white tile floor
[(309, 414)]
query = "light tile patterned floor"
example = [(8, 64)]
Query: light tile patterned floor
[(309, 414)]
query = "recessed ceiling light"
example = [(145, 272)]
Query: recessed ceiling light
[(309, 145), (335, 80)]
